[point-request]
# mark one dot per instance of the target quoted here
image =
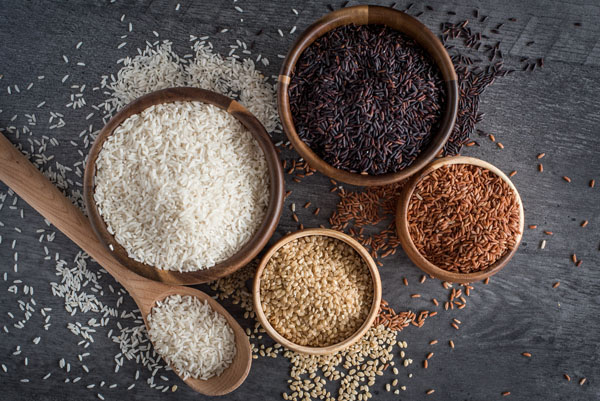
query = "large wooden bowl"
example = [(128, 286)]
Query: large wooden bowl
[(372, 312), (363, 15), (409, 246), (251, 248)]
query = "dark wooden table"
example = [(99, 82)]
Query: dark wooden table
[(552, 110)]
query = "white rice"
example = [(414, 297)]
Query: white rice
[(197, 341), (182, 186)]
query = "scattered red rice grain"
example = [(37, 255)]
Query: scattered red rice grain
[(435, 301), (512, 173), (492, 137), (500, 145), (527, 354), (433, 342), (582, 381), (405, 281), (579, 262), (317, 210), (505, 393), (423, 278), (584, 223), (541, 155), (567, 179), (429, 355), (432, 314), (430, 392), (532, 226), (306, 205), (548, 233), (486, 281), (592, 183), (288, 193), (556, 284), (455, 326), (457, 321), (566, 376), (472, 143), (451, 343), (541, 168), (574, 258), (425, 364), (415, 296)]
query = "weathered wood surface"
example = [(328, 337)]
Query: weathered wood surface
[(552, 110)]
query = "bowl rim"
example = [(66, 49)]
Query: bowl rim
[(251, 248), (363, 15), (373, 311), (408, 244)]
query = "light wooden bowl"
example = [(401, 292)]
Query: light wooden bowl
[(363, 15), (372, 312), (251, 248), (409, 246)]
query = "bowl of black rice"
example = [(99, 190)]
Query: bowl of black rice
[(368, 95)]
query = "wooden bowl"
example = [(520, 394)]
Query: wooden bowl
[(410, 248), (251, 248), (372, 312), (363, 15)]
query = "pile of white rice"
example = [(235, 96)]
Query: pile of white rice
[(182, 186), (194, 339)]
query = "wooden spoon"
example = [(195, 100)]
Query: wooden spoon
[(31, 185)]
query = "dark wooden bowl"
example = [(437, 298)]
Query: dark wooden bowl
[(362, 15), (251, 248), (330, 349), (410, 248)]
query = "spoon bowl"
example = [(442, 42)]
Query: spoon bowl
[(34, 188)]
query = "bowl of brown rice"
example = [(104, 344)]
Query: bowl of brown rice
[(317, 291), (184, 186), (460, 219)]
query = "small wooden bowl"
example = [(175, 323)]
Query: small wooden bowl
[(372, 312), (251, 248), (410, 248), (363, 15)]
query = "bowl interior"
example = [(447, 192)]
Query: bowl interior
[(409, 246), (362, 15), (251, 248), (373, 311)]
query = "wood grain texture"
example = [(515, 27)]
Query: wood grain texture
[(361, 15), (250, 248), (331, 349), (35, 189), (552, 110)]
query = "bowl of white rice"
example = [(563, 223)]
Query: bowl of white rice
[(184, 186)]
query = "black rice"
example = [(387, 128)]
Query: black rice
[(366, 98)]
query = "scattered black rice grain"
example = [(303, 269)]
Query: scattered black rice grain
[(366, 98), (512, 19), (577, 24), (451, 13), (530, 43), (429, 8)]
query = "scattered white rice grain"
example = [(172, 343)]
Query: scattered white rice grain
[(122, 45), (131, 386), (78, 45), (155, 33), (47, 376), (239, 9), (100, 396), (81, 64), (293, 29), (65, 78), (280, 32), (294, 11), (177, 7), (65, 58)]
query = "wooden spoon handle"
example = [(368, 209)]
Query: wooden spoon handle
[(30, 184)]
